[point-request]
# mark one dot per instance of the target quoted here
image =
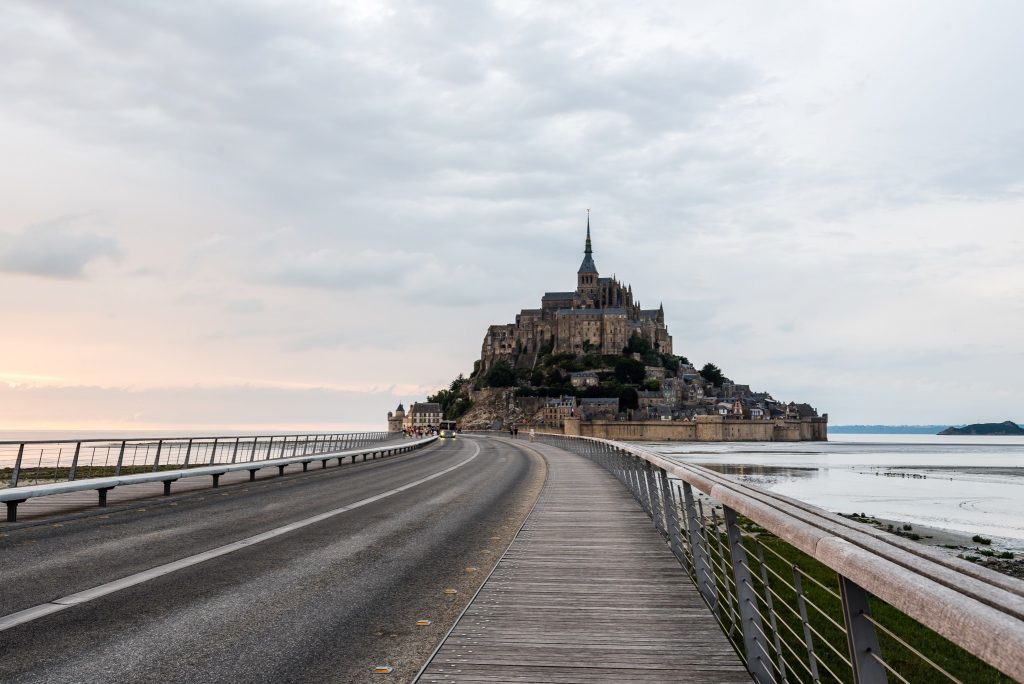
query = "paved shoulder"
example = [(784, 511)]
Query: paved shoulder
[(588, 591)]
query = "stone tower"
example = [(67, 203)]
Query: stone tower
[(396, 419)]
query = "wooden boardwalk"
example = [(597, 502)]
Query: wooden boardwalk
[(588, 592)]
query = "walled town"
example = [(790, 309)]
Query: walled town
[(594, 362)]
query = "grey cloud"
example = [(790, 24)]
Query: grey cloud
[(54, 249)]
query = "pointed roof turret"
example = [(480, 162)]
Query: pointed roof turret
[(588, 265)]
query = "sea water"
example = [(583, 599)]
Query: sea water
[(965, 484)]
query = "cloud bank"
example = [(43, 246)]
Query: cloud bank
[(827, 199)]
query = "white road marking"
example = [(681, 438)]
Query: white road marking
[(43, 609)]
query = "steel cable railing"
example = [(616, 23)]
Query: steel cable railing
[(804, 596), (38, 462)]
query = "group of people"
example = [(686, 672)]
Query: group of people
[(420, 432), (514, 433)]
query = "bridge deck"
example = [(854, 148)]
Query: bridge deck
[(588, 592)]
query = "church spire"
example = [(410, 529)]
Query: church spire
[(588, 250), (588, 265)]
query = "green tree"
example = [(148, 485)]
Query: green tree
[(629, 371), (501, 375), (712, 374), (629, 399), (555, 378), (638, 345)]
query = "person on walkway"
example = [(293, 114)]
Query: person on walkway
[(533, 435)]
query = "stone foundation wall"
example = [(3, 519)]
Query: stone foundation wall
[(704, 429)]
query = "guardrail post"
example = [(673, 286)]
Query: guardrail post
[(234, 452), (156, 460), (120, 457), (17, 465), (213, 454), (653, 492), (701, 564), (672, 519), (812, 657), (74, 462), (750, 619), (188, 452), (772, 618), (860, 634)]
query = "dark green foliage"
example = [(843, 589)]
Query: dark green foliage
[(629, 399), (652, 385), (712, 374), (629, 371), (978, 539), (537, 377), (556, 378), (454, 401), (637, 345), (500, 375)]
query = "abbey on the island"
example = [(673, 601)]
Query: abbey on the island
[(599, 316)]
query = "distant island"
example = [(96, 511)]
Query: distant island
[(1006, 428)]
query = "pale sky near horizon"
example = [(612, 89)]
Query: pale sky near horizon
[(298, 214)]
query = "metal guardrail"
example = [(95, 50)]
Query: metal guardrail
[(809, 596), (322, 450), (35, 462)]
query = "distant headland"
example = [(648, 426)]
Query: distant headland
[(1005, 429), (593, 362)]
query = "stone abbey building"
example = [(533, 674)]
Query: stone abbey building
[(599, 316)]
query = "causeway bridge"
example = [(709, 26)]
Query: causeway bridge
[(373, 558)]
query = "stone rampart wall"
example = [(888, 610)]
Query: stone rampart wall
[(703, 429)]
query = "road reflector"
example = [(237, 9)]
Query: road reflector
[(451, 591), (471, 569), (424, 623), (383, 669)]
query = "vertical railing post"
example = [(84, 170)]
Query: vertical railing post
[(750, 619), (234, 452), (213, 454), (120, 457), (812, 657), (723, 566), (74, 462), (188, 452), (156, 459), (672, 519), (655, 497), (860, 634), (17, 465), (772, 618), (701, 564)]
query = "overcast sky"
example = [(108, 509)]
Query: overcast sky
[(298, 214)]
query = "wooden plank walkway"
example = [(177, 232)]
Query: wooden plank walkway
[(588, 592)]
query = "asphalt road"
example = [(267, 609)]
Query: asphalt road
[(323, 603)]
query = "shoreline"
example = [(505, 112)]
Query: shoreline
[(953, 542)]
